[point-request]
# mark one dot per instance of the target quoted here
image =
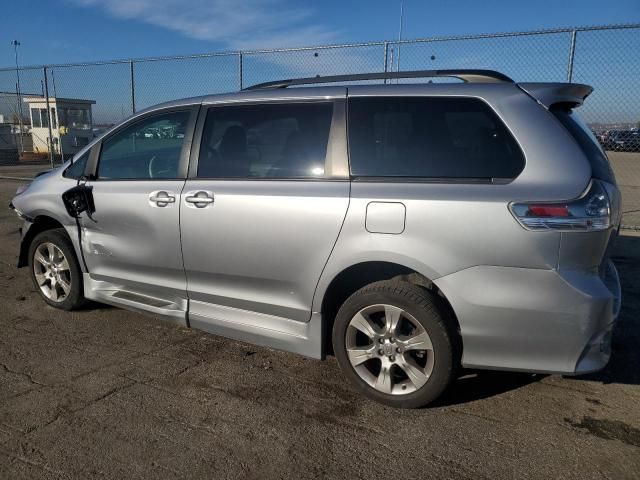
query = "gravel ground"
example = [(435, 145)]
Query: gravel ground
[(106, 393)]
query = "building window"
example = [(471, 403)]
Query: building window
[(44, 118), (35, 118), (54, 124), (75, 118)]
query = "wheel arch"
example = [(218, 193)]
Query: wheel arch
[(39, 224), (354, 277)]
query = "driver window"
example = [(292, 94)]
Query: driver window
[(146, 149)]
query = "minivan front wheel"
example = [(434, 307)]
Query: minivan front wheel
[(394, 345), (55, 270)]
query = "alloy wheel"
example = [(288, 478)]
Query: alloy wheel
[(52, 272), (389, 349)]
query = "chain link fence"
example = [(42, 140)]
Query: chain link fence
[(602, 56)]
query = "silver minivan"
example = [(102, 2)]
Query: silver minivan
[(408, 229)]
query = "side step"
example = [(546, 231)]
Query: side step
[(116, 295), (304, 338), (135, 297)]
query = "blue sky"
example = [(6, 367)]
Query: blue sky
[(59, 31), (68, 31)]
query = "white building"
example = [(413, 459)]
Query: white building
[(71, 123)]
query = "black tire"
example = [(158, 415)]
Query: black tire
[(58, 237), (427, 310)]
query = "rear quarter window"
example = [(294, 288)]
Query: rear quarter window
[(582, 134), (430, 137)]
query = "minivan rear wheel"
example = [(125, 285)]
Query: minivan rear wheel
[(55, 271), (394, 345)]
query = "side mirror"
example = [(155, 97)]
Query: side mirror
[(79, 199)]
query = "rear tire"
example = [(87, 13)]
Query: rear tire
[(393, 343), (55, 270)]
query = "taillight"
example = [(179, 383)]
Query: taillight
[(590, 212)]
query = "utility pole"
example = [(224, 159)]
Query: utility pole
[(572, 54), (133, 88), (16, 44), (400, 32)]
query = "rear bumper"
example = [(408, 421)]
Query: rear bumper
[(534, 320), (597, 352)]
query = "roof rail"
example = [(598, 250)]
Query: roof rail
[(473, 76)]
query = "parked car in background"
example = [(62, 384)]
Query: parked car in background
[(621, 140), (409, 229)]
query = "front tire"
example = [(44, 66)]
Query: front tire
[(393, 343), (55, 270)]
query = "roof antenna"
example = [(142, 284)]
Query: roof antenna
[(400, 35)]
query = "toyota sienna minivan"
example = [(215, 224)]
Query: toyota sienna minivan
[(407, 229)]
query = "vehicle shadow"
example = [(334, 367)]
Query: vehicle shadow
[(475, 385), (92, 305)]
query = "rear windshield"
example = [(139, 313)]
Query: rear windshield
[(430, 137), (588, 143)]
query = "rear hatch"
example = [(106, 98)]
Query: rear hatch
[(583, 248), (601, 171)]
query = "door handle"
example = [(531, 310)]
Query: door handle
[(162, 198), (199, 199)]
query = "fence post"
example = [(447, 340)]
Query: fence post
[(133, 88), (572, 54), (19, 110), (240, 67), (386, 59), (46, 95)]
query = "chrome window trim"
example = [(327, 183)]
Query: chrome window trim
[(336, 163)]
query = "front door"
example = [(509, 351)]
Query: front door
[(261, 213), (131, 244)]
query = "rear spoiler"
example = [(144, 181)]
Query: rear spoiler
[(549, 94)]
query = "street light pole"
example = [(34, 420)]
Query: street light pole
[(16, 44)]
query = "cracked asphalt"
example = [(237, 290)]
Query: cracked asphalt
[(106, 393)]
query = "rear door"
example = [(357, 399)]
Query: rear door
[(131, 243), (263, 205)]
